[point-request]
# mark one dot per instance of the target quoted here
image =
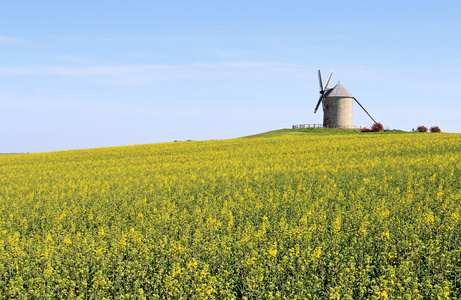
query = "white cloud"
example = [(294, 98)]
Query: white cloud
[(72, 59), (81, 71), (11, 40), (143, 74)]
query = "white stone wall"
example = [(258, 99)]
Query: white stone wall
[(337, 112)]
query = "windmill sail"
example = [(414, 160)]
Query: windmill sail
[(322, 90), (365, 110), (320, 82), (328, 81), (318, 104)]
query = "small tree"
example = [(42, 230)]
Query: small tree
[(435, 129), (377, 127), (421, 128)]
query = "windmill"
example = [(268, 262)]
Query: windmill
[(337, 105)]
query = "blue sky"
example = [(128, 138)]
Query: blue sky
[(84, 74)]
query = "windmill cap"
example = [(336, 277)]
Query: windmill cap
[(338, 91)]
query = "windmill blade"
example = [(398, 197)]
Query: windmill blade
[(318, 104), (328, 81), (365, 110), (320, 82)]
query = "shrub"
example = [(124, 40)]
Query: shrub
[(421, 128), (377, 127), (435, 129)]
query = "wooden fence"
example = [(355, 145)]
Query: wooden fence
[(302, 126)]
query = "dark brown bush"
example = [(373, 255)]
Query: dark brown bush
[(421, 128), (435, 129), (377, 127)]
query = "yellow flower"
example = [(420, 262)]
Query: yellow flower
[(272, 252)]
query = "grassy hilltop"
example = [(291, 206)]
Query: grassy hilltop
[(306, 216), (315, 131)]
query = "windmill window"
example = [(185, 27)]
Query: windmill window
[(327, 106)]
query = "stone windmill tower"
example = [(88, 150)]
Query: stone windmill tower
[(337, 105)]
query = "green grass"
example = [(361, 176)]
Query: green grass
[(317, 132)]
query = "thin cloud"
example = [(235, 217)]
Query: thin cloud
[(106, 70), (145, 74), (11, 40), (82, 71), (72, 59)]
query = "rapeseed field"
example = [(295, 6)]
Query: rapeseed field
[(367, 216)]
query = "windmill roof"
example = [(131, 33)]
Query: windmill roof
[(338, 91)]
